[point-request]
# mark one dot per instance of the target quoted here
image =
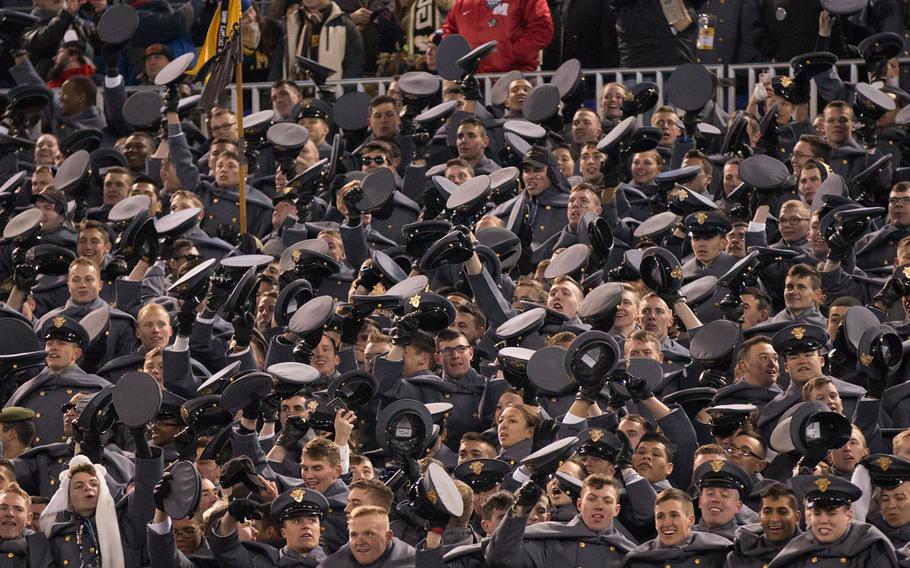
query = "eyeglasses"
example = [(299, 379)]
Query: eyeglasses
[(905, 200), (842, 121), (221, 127), (448, 351), (367, 160), (742, 452), (792, 220), (188, 257)]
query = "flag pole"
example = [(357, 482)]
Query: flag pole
[(240, 140)]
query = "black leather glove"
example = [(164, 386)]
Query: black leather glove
[(876, 386), (589, 393), (624, 457), (171, 98), (294, 429), (162, 490), (350, 199), (617, 399), (24, 276), (839, 248), (544, 434), (732, 308), (243, 510), (110, 53), (422, 144), (638, 388), (251, 410), (464, 237), (405, 328), (271, 406), (186, 317), (762, 197), (471, 87), (243, 329), (220, 287), (611, 168), (527, 496), (303, 353), (891, 293), (185, 443), (148, 249)]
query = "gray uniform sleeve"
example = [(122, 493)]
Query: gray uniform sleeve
[(356, 248), (679, 430), (391, 386), (140, 509), (229, 553), (178, 373), (490, 299), (248, 445), (505, 549), (182, 158)]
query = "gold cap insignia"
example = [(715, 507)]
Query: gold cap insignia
[(717, 465), (298, 494), (295, 255), (701, 217), (59, 321), (414, 301), (798, 333), (677, 273), (433, 496), (477, 467), (865, 359), (312, 405), (596, 434), (822, 483), (884, 462), (678, 193), (785, 81)]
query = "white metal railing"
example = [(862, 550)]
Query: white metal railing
[(735, 84)]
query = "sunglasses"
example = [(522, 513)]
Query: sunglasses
[(378, 160)]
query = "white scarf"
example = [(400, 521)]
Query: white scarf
[(105, 513)]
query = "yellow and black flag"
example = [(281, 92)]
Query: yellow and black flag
[(220, 53)]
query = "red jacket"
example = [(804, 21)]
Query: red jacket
[(523, 28)]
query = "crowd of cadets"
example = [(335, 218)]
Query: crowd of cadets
[(688, 470)]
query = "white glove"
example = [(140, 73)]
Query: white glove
[(759, 93)]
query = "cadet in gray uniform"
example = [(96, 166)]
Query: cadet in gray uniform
[(754, 546), (20, 546), (543, 202), (84, 524), (59, 381), (371, 543), (879, 248), (676, 543), (220, 200), (298, 511), (588, 540), (834, 538), (722, 485), (84, 283)]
